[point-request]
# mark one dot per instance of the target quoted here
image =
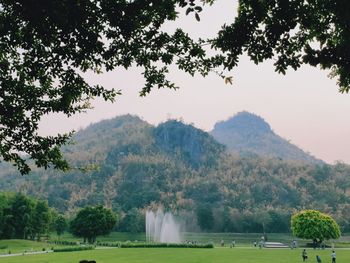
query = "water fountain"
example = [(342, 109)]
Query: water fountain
[(162, 227)]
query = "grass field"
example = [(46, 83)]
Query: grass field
[(20, 246), (169, 255), (242, 239), (243, 253)]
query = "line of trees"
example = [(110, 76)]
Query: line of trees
[(24, 217)]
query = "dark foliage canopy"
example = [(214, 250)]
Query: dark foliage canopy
[(47, 45), (23, 217), (294, 33), (60, 224), (91, 222)]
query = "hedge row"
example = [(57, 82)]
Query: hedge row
[(108, 244), (70, 249), (63, 242), (169, 245), (164, 245)]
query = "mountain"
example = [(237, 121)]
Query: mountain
[(248, 134), (94, 142), (197, 147), (133, 166), (136, 164)]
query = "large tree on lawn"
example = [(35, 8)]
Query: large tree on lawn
[(312, 224), (91, 222)]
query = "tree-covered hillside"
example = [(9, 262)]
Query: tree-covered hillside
[(184, 169), (246, 134)]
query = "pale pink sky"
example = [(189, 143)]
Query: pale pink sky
[(303, 107)]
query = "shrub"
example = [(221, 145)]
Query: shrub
[(70, 249), (63, 242), (164, 245)]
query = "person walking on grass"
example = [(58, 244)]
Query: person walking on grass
[(333, 256), (222, 243), (304, 255), (318, 259), (233, 244)]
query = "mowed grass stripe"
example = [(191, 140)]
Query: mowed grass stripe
[(182, 255)]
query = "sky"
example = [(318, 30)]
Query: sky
[(302, 106)]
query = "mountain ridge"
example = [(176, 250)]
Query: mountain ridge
[(246, 133), (184, 169)]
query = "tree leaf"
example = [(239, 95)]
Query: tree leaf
[(198, 9), (229, 80), (189, 10)]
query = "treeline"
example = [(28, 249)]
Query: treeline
[(22, 217), (27, 218), (215, 219)]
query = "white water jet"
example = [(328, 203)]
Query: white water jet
[(149, 226), (162, 227)]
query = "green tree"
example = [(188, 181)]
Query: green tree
[(91, 222), (311, 224), (205, 217), (293, 33), (23, 217), (46, 46), (19, 217), (40, 220), (279, 222), (60, 225), (4, 206), (132, 222)]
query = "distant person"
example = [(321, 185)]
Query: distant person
[(233, 243), (318, 259), (222, 243), (254, 243), (304, 255), (265, 238), (333, 256)]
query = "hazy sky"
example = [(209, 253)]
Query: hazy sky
[(304, 107)]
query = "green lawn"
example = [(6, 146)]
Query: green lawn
[(242, 239), (20, 246), (243, 253), (171, 255)]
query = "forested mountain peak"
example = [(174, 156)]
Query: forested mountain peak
[(246, 133), (244, 122), (109, 125), (196, 146), (93, 143)]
